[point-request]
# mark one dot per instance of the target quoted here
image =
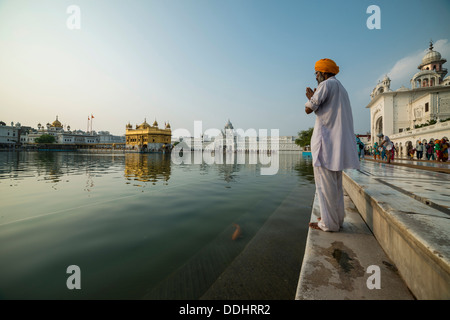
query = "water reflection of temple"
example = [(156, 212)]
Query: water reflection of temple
[(57, 167), (148, 167), (229, 165)]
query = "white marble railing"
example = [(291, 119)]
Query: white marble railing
[(428, 129)]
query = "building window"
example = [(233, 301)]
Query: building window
[(426, 107), (400, 130)]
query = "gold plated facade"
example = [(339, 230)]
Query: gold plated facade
[(148, 137)]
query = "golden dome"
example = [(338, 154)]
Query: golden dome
[(56, 123), (155, 124), (144, 125)]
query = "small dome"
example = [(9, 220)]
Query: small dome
[(144, 125), (229, 125), (402, 88), (56, 123), (155, 124), (431, 56)]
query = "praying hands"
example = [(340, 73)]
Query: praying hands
[(309, 94)]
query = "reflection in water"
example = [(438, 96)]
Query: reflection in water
[(147, 167), (305, 169), (228, 171), (49, 166), (61, 209), (232, 163), (56, 167)]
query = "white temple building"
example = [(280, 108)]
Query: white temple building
[(417, 114), (9, 135), (237, 140), (67, 136), (240, 140)]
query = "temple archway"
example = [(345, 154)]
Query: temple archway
[(379, 126)]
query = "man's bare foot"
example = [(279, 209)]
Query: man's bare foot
[(314, 225)]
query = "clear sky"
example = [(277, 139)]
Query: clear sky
[(211, 60)]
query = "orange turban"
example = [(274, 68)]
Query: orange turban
[(327, 65)]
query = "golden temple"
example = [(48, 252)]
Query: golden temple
[(146, 137)]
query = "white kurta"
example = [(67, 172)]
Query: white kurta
[(333, 143), (333, 148)]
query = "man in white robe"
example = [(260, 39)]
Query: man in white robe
[(333, 146)]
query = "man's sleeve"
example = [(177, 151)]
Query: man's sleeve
[(319, 96)]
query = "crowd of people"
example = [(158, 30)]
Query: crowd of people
[(435, 149)]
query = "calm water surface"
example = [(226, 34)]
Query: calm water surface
[(130, 222)]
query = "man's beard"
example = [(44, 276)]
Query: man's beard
[(320, 78)]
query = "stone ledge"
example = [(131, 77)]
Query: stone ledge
[(335, 264), (414, 235)]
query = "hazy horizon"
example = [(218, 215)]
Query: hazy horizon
[(198, 60)]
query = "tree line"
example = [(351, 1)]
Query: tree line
[(304, 137)]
